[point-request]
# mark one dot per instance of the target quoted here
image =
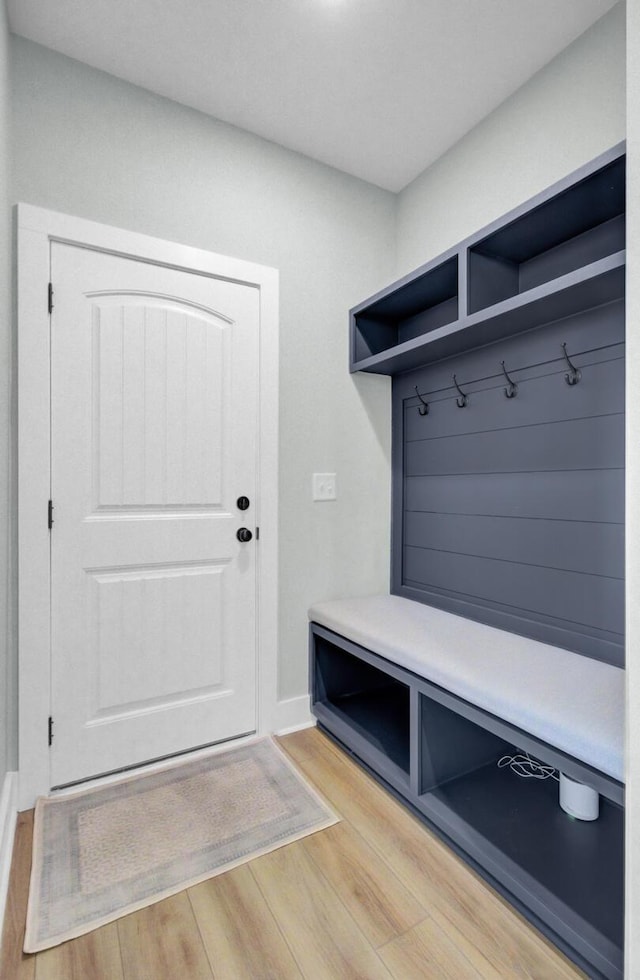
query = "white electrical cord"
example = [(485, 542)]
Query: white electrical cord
[(523, 765)]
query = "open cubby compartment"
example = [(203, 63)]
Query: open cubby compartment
[(426, 301), (568, 873), (364, 706), (451, 746), (571, 230)]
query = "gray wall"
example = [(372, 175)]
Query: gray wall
[(7, 653), (90, 145), (633, 495), (571, 111)]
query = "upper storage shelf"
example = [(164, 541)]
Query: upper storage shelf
[(572, 230), (559, 253), (410, 311)]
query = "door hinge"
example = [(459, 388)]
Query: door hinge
[(50, 729), (50, 514), (257, 534), (50, 297)]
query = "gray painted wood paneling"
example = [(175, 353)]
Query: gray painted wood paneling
[(581, 496), (577, 546), (591, 600), (579, 444), (512, 510)]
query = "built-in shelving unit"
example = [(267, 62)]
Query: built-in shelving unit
[(562, 253), (439, 753), (427, 303), (485, 487)]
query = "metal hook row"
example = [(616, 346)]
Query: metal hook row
[(572, 377)]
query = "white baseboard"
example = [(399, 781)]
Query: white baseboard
[(292, 715), (8, 815)]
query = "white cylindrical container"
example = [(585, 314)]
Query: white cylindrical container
[(578, 800)]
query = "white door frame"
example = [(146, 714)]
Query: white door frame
[(37, 228)]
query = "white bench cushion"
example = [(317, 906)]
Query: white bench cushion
[(572, 702)]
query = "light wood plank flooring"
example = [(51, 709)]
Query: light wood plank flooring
[(375, 896)]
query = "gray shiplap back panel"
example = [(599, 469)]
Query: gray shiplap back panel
[(511, 511), (551, 446)]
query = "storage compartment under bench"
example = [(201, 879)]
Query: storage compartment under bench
[(440, 754), (371, 702)]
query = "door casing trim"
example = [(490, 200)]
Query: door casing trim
[(37, 228)]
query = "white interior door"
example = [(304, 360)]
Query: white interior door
[(154, 391)]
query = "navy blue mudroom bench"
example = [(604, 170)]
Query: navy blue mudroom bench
[(503, 632)]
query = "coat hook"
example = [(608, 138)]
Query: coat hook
[(463, 400), (574, 374), (424, 407), (512, 389)]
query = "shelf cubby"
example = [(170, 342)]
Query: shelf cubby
[(372, 705), (569, 872), (581, 225), (451, 746), (393, 319)]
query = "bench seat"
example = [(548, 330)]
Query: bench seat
[(567, 700)]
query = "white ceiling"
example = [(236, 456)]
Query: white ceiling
[(377, 88)]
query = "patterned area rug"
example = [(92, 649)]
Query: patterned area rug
[(102, 853)]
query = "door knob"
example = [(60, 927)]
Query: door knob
[(244, 534)]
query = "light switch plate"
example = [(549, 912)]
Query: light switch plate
[(324, 486)]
